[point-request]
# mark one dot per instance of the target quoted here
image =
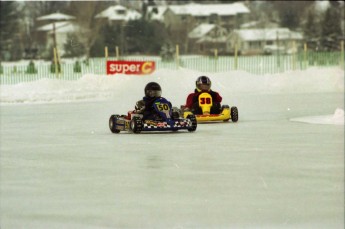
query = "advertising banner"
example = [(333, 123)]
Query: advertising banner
[(130, 67)]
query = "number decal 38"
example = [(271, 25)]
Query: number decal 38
[(205, 99)]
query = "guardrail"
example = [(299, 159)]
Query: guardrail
[(25, 71)]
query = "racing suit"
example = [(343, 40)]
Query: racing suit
[(145, 107), (192, 102)]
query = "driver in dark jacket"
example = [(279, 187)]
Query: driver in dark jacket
[(203, 84), (153, 92)]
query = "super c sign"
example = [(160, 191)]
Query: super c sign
[(130, 67)]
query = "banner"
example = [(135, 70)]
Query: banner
[(130, 67)]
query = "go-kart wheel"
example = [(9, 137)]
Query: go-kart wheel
[(192, 118), (136, 125), (112, 124), (234, 114)]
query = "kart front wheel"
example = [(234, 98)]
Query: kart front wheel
[(234, 114), (192, 118), (136, 125), (112, 124)]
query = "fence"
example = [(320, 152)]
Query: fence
[(12, 73)]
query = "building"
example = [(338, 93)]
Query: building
[(263, 41), (183, 21), (54, 29), (228, 16), (118, 15), (205, 38)]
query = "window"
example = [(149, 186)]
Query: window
[(121, 12), (255, 44)]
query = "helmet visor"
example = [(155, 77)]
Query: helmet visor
[(204, 87), (153, 93)]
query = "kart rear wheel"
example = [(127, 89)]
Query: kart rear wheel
[(136, 125), (234, 114), (192, 118), (112, 124)]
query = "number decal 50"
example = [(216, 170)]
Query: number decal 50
[(163, 107)]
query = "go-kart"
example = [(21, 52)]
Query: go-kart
[(165, 120), (205, 115)]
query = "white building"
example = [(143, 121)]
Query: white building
[(118, 14), (258, 41), (205, 38)]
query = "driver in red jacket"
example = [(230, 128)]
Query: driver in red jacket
[(203, 84)]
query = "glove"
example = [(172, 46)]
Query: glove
[(184, 108), (140, 106)]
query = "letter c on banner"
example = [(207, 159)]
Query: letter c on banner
[(147, 67)]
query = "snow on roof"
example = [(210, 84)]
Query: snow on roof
[(119, 12), (201, 30), (222, 39), (60, 27), (56, 16), (267, 34), (208, 9), (157, 12), (50, 26)]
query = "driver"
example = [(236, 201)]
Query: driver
[(153, 92), (203, 84)]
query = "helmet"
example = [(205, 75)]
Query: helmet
[(152, 90), (203, 83)]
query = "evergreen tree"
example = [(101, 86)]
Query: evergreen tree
[(290, 12), (331, 29), (312, 31), (8, 29), (145, 37), (73, 47)]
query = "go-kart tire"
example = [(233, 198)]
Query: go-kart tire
[(112, 124), (194, 122), (234, 114), (136, 125)]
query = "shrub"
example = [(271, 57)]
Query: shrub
[(77, 66), (31, 69)]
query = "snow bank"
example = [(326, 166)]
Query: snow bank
[(175, 83), (336, 119)]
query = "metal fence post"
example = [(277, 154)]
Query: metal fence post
[(215, 59), (342, 54), (177, 56), (305, 56), (236, 58)]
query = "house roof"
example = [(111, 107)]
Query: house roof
[(50, 26), (201, 33), (267, 34), (115, 13), (56, 16), (201, 30), (157, 12), (60, 27), (208, 9)]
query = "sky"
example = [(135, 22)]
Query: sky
[(280, 166)]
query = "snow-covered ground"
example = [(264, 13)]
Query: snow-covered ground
[(278, 167)]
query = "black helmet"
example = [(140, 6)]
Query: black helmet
[(152, 90), (203, 83)]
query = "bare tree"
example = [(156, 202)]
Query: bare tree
[(89, 26)]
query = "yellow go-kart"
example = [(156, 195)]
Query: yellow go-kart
[(205, 115)]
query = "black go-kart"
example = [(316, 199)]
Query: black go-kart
[(167, 120)]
